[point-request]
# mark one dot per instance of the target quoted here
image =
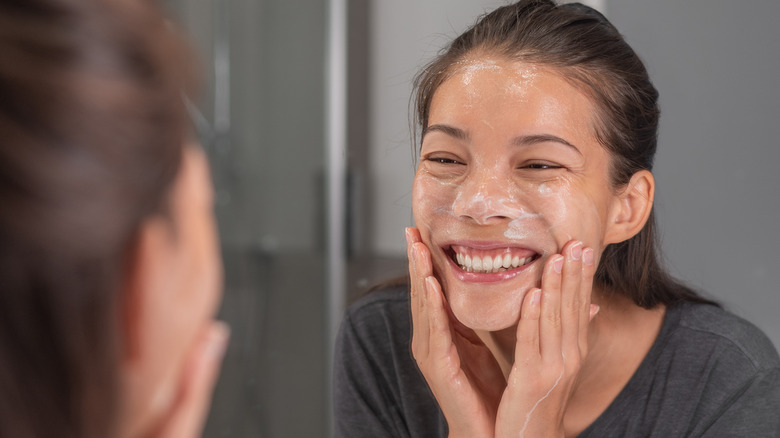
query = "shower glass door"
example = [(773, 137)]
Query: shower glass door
[(261, 119)]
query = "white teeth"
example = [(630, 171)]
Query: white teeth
[(489, 264), (476, 263), (507, 260), (497, 263)]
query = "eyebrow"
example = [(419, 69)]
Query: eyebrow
[(448, 130), (523, 140), (527, 140)]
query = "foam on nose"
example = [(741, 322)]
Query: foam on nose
[(482, 205)]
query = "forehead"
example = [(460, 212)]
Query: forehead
[(522, 94)]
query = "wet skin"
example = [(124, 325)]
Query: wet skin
[(509, 165), (513, 206)]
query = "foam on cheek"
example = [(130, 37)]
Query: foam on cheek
[(560, 206), (429, 195)]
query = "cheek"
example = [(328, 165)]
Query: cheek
[(204, 282), (431, 200), (569, 213)]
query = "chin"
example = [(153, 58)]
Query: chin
[(486, 311)]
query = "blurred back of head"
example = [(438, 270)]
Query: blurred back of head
[(92, 125)]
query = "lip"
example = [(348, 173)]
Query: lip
[(494, 277)]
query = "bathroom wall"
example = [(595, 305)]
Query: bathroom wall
[(404, 35)]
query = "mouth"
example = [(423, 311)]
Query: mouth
[(493, 260)]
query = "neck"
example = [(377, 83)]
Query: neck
[(613, 330), (619, 338)]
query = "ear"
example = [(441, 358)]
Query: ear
[(631, 208)]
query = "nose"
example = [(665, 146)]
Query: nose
[(487, 198)]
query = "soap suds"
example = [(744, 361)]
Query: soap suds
[(538, 402)]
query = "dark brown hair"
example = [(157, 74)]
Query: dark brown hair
[(586, 49), (92, 125)]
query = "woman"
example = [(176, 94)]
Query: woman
[(108, 263), (538, 305)]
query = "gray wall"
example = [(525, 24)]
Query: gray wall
[(404, 34), (714, 63)]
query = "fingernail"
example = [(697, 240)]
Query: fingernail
[(576, 251), (558, 264), (408, 234), (594, 310), (587, 256)]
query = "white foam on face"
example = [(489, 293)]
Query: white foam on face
[(468, 68), (517, 230), (481, 207), (524, 78)]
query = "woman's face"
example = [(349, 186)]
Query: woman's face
[(510, 170), (179, 282)]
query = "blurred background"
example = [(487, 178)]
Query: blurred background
[(304, 115)]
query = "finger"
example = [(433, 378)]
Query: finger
[(550, 312), (527, 348), (188, 415), (589, 310), (412, 237), (572, 311), (420, 267), (410, 256), (441, 346)]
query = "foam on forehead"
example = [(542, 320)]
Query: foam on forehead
[(522, 74)]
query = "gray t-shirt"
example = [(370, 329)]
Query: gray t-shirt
[(709, 374)]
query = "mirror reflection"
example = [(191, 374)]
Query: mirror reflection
[(264, 122)]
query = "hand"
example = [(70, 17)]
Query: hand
[(552, 342), (460, 370), (464, 376), (188, 414)]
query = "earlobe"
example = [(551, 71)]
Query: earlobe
[(631, 208)]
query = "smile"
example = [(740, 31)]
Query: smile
[(490, 261)]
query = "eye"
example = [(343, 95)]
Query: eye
[(540, 165), (442, 160)]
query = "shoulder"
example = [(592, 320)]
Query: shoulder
[(710, 373), (380, 307), (710, 328), (379, 322)]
